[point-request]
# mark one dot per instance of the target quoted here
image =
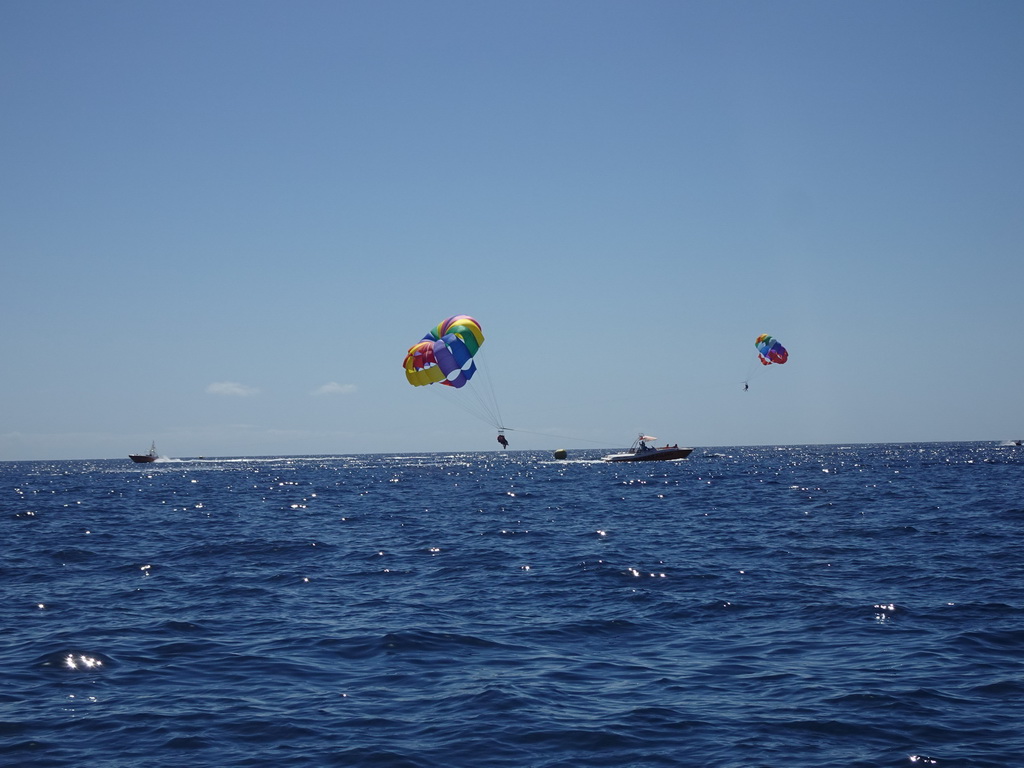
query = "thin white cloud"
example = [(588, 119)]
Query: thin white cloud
[(334, 388), (231, 388)]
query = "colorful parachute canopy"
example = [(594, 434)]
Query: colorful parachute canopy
[(445, 354), (770, 351)]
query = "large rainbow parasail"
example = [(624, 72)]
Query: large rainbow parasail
[(770, 351), (445, 354)]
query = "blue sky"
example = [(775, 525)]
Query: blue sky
[(224, 223)]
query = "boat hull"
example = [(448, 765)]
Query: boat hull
[(654, 454)]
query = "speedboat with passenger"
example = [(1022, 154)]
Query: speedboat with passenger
[(641, 451), (144, 458)]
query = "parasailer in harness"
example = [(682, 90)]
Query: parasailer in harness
[(502, 440)]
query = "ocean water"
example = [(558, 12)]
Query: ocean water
[(857, 606)]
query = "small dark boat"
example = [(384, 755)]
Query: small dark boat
[(144, 458), (641, 451)]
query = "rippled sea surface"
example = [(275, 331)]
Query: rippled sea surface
[(779, 607)]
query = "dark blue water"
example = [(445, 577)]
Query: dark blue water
[(777, 607)]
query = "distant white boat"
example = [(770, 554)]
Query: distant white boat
[(144, 458), (641, 451)]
